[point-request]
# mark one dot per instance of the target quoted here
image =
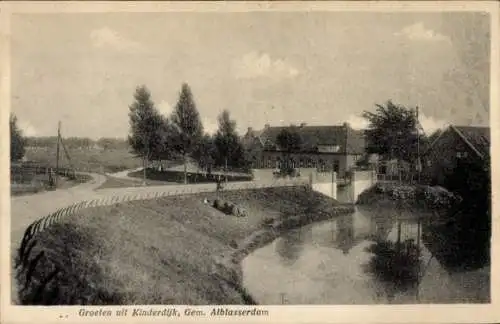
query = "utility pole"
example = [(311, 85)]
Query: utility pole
[(57, 153), (418, 145), (226, 169), (145, 162)]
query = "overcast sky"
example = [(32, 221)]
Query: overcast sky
[(277, 68)]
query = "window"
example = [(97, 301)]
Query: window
[(336, 166), (321, 165), (461, 155)]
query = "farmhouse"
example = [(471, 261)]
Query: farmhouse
[(454, 145), (336, 147)]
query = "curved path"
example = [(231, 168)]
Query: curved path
[(24, 210), (31, 214)]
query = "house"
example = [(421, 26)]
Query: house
[(453, 145), (336, 147)]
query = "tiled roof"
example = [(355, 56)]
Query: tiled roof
[(478, 137), (313, 136)]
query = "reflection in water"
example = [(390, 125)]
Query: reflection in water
[(395, 264), (458, 245), (289, 245), (345, 233), (355, 259)]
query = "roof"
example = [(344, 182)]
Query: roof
[(476, 137), (349, 140)]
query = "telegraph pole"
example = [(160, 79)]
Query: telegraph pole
[(57, 152), (417, 126)]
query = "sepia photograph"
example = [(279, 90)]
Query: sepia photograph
[(248, 158)]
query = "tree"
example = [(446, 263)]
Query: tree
[(17, 141), (150, 132), (188, 126), (205, 153), (229, 148), (288, 141), (392, 133)]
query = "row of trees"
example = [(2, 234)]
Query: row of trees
[(181, 135), (78, 142)]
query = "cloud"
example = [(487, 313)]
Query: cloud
[(357, 122), (261, 65), (210, 126), (27, 128), (419, 32), (431, 124), (108, 38), (165, 108)]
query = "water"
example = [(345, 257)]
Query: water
[(328, 263)]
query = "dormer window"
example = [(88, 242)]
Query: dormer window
[(461, 155)]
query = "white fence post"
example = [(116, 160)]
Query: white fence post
[(334, 185)]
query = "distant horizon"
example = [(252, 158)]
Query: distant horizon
[(324, 68)]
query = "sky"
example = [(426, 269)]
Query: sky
[(277, 68)]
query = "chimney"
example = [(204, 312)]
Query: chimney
[(250, 130), (266, 126), (347, 125), (303, 125)]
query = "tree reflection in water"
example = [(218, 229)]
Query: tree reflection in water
[(290, 244), (396, 264), (345, 233)]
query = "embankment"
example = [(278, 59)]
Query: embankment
[(167, 250), (410, 197)]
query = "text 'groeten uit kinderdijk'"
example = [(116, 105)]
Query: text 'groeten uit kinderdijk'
[(172, 312)]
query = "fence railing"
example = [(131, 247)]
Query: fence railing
[(144, 193)]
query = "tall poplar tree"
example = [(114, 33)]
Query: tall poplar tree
[(189, 129)]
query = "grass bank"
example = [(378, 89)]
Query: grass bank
[(174, 250), (411, 197)]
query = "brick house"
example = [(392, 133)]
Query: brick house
[(452, 145), (336, 147)]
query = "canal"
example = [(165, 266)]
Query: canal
[(346, 260)]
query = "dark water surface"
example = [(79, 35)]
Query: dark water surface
[(328, 263)]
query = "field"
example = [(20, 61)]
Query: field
[(92, 160), (159, 251), (28, 178)]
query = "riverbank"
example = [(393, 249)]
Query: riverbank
[(411, 197), (173, 250)]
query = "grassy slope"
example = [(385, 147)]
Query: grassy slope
[(157, 251)]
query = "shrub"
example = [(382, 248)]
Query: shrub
[(229, 208), (268, 221), (217, 203), (242, 212)]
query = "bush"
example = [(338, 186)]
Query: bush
[(229, 208), (242, 212), (217, 204), (268, 221)]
